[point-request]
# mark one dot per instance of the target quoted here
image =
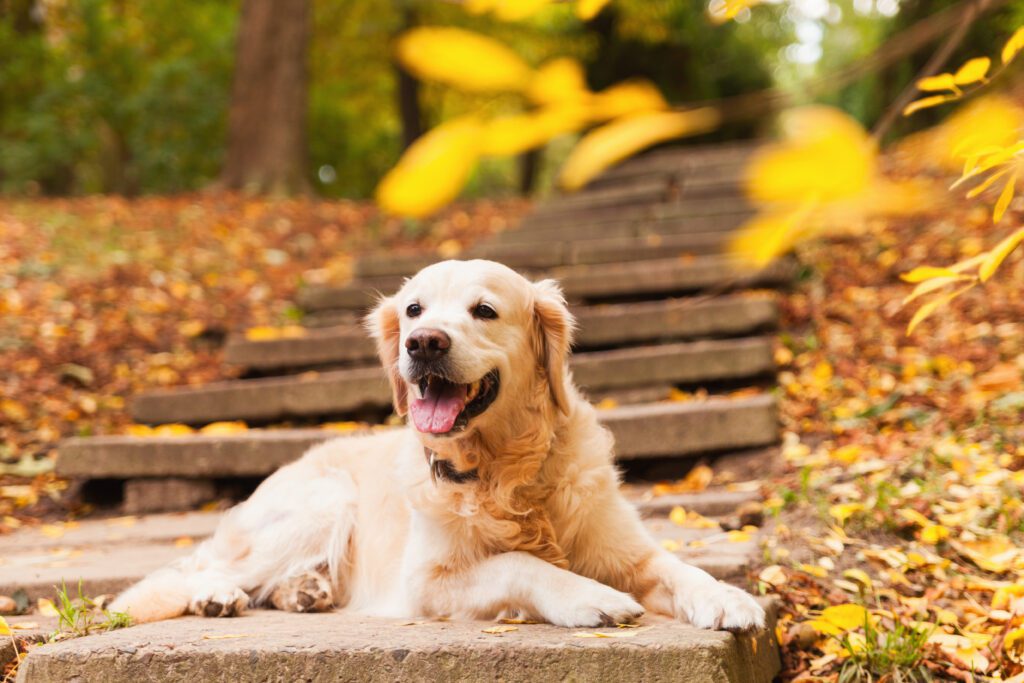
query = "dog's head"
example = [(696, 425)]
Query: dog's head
[(465, 342)]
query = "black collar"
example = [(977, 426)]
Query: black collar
[(445, 471)]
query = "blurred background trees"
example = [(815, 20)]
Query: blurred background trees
[(267, 95)]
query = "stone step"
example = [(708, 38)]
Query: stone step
[(107, 555), (680, 208), (648, 190), (547, 254), (341, 392), (599, 326), (280, 646), (590, 282), (655, 430), (695, 227)]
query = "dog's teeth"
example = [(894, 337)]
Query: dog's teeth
[(474, 389)]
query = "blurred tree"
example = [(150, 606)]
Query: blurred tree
[(266, 149)]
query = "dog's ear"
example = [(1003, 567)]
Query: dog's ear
[(554, 327), (384, 326)]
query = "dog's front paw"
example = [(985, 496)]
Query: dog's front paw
[(224, 602), (721, 606), (593, 605)]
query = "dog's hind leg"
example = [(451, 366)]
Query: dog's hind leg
[(299, 520), (306, 592)]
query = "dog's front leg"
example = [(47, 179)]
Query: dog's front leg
[(520, 582), (615, 548)]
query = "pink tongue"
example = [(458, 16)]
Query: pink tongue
[(437, 411)]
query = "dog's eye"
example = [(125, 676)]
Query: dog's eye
[(484, 311), (413, 310)]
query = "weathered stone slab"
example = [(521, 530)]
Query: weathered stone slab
[(651, 430), (593, 282), (529, 256), (600, 326), (651, 190), (279, 646), (341, 392), (640, 227), (168, 493), (690, 207)]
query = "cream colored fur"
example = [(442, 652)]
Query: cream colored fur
[(544, 533)]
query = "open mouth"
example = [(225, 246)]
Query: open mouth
[(445, 407)]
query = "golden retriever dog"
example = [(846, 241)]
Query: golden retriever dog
[(499, 499)]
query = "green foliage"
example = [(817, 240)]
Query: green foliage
[(80, 616), (115, 97)]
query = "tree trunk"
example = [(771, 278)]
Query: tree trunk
[(267, 150), (408, 91)]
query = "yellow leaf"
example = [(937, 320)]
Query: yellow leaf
[(1013, 645), (138, 430), (987, 183), (996, 257), (262, 333), (846, 617), (939, 82), (46, 608), (517, 10), (914, 517), (500, 629), (223, 428), (620, 633), (922, 273), (972, 71), (843, 511), (433, 170), (588, 9), (1004, 199), (344, 427), (994, 554), (858, 575), (1005, 596), (773, 575), (174, 430), (624, 137), (670, 545), (461, 58), (933, 305), (1013, 45), (5, 629), (558, 80), (929, 286), (927, 102), (738, 536), (771, 234), (934, 533), (825, 155), (677, 516), (630, 97), (510, 135), (814, 570)]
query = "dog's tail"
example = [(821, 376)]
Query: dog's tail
[(164, 594)]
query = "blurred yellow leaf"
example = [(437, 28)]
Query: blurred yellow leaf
[(677, 516), (922, 273), (224, 428), (996, 257), (5, 629), (498, 630), (987, 183), (933, 305), (624, 137), (722, 11), (1013, 45), (46, 608), (558, 80), (825, 155), (972, 71), (839, 619), (1005, 596), (926, 103), (1013, 645), (914, 517), (1004, 199), (630, 97), (843, 511), (588, 9), (433, 170), (939, 82), (516, 134), (995, 554), (934, 533), (464, 59), (929, 286), (517, 10), (771, 233), (173, 429)]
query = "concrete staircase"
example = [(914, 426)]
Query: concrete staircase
[(672, 345)]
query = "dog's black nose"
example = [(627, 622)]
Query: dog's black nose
[(426, 344)]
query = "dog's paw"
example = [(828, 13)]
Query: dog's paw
[(721, 606), (308, 592), (594, 605), (224, 602)]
